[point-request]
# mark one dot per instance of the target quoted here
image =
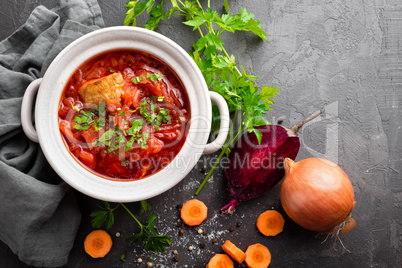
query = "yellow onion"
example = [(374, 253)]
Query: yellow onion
[(317, 194)]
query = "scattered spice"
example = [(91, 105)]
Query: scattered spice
[(202, 245), (231, 229), (205, 232), (149, 264), (238, 224), (214, 240), (181, 232), (190, 248), (139, 260), (179, 223), (175, 252), (117, 234), (199, 231), (179, 206), (176, 258), (280, 121)]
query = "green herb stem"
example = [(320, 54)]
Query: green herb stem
[(131, 214), (224, 148)]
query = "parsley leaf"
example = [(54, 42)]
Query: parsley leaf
[(99, 123), (137, 79), (148, 233), (145, 206), (105, 217), (83, 120), (75, 108), (123, 257), (105, 138), (135, 127)]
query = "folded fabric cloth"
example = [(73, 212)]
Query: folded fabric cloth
[(39, 216)]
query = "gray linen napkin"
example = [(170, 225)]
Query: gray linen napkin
[(39, 216)]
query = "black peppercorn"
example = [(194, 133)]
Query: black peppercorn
[(231, 229), (179, 224), (205, 232), (176, 258), (214, 240), (202, 245), (280, 121), (238, 224), (181, 232)]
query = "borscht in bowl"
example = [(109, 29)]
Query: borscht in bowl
[(124, 114)]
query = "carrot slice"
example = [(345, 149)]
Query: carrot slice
[(98, 243), (270, 223), (258, 256), (233, 251), (350, 223), (220, 261), (193, 212)]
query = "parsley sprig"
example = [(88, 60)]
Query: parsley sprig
[(105, 217), (247, 103)]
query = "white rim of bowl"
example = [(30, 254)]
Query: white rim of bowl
[(88, 46)]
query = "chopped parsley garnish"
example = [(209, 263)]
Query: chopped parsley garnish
[(152, 77), (135, 127), (75, 108), (102, 109), (116, 138), (125, 163), (104, 139), (111, 70), (143, 139), (83, 120), (153, 116), (99, 123), (159, 99), (137, 79), (118, 142)]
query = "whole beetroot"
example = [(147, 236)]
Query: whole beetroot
[(255, 168)]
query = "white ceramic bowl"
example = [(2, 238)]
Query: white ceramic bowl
[(47, 133)]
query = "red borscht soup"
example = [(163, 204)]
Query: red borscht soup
[(124, 115)]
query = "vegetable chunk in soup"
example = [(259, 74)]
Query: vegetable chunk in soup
[(124, 115)]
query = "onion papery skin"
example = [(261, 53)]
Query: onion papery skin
[(316, 194)]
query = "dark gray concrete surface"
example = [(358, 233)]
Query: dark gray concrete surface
[(344, 57)]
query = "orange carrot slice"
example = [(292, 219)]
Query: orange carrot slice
[(270, 223), (98, 243), (258, 256), (193, 212), (220, 261), (233, 251)]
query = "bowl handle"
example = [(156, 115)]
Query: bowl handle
[(224, 124), (26, 110)]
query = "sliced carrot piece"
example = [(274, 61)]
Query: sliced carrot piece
[(233, 251), (270, 223), (350, 224), (98, 243), (258, 256), (193, 212), (220, 261)]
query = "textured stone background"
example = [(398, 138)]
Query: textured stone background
[(344, 57)]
